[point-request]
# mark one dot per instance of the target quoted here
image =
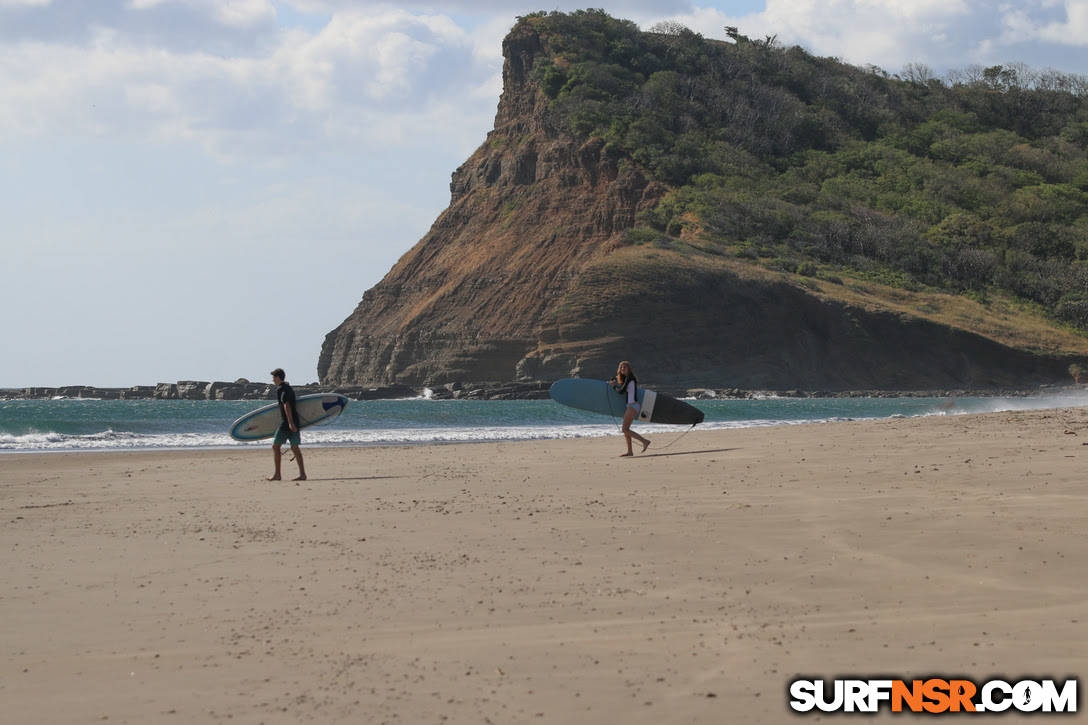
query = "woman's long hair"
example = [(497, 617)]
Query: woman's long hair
[(619, 375)]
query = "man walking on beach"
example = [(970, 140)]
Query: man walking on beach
[(288, 430)]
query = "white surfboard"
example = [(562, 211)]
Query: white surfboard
[(264, 422)]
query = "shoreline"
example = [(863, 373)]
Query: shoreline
[(528, 423), (548, 581)]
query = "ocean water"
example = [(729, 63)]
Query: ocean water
[(78, 425)]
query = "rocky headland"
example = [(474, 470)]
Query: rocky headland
[(558, 257)]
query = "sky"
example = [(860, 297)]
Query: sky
[(202, 189)]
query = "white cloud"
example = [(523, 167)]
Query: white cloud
[(386, 56), (237, 13), (488, 7), (880, 32), (914, 10), (1071, 30), (244, 13), (944, 34), (361, 73)]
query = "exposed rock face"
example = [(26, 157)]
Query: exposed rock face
[(526, 277), (192, 390), (166, 391), (528, 210)]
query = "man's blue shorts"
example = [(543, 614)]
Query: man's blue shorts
[(284, 433)]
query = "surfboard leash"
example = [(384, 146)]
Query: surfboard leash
[(678, 438)]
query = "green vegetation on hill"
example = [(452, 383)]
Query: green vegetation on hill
[(809, 165)]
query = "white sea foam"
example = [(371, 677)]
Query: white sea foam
[(110, 440), (340, 434), (1046, 401)]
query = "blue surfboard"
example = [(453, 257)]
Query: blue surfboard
[(264, 422), (597, 396)]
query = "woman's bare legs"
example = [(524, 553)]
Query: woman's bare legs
[(628, 418)]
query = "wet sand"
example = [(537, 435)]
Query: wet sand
[(545, 582)]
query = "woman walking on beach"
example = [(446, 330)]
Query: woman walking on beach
[(625, 383)]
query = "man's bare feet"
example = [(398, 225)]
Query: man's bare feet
[(274, 478), (299, 478), (645, 445), (625, 455)]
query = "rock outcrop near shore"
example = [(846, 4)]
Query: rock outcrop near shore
[(532, 274)]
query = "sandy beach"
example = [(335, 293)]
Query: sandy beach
[(548, 582)]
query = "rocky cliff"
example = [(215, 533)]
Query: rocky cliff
[(470, 302), (529, 275)]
